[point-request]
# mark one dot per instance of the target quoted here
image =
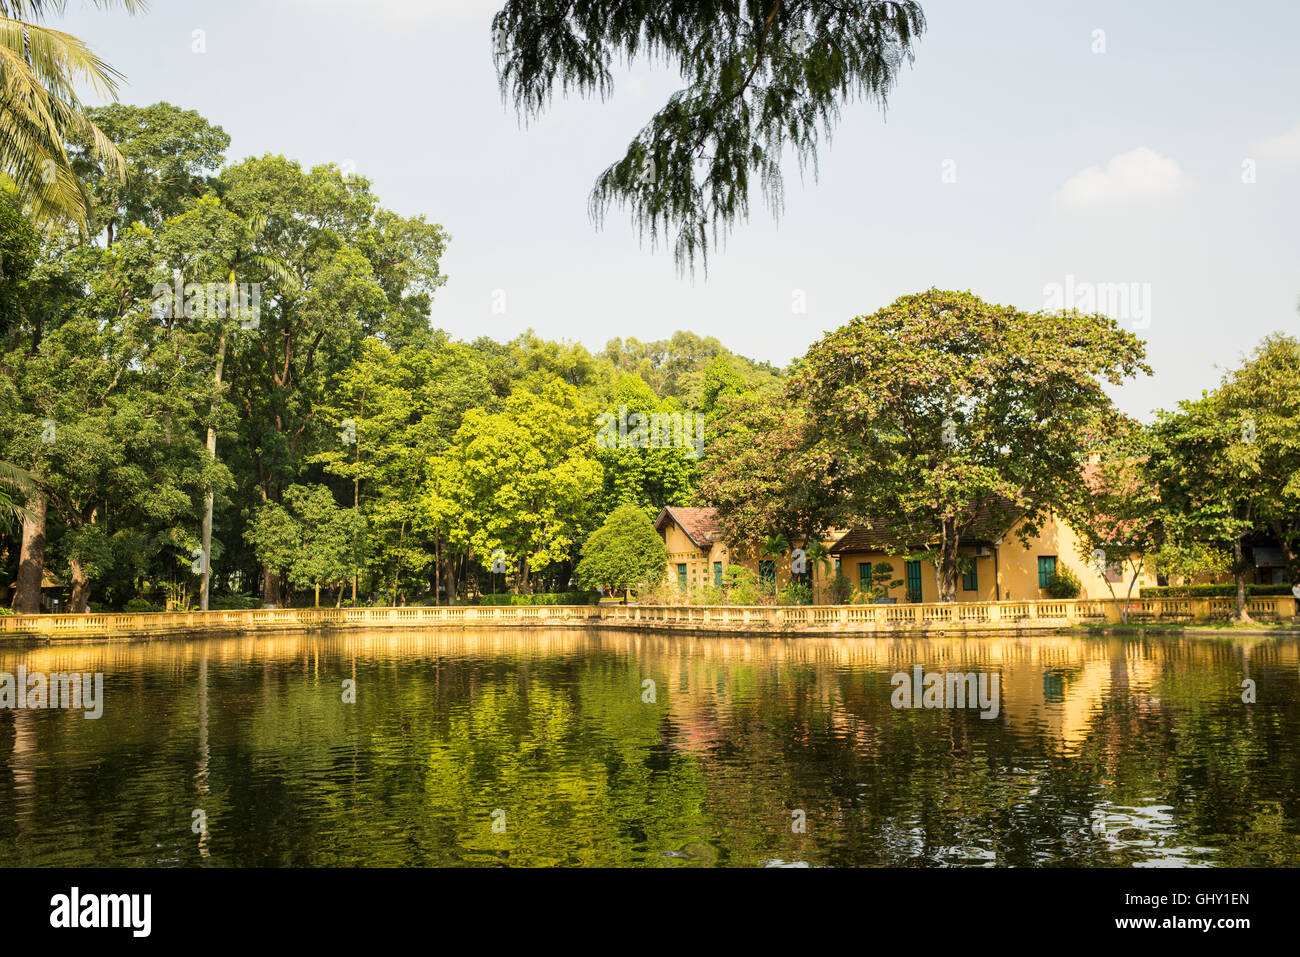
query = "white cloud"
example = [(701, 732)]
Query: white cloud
[(1283, 149), (1137, 175)]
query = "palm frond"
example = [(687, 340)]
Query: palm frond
[(40, 69)]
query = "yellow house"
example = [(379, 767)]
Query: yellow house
[(698, 558), (999, 568)]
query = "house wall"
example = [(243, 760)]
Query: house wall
[(1016, 569), (699, 563), (1019, 574)]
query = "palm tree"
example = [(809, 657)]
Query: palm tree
[(815, 554), (39, 109), (15, 483), (773, 548)]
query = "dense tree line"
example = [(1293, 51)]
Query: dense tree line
[(232, 378)]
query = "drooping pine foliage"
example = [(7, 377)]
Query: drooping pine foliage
[(761, 76)]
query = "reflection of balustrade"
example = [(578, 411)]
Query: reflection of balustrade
[(819, 618)]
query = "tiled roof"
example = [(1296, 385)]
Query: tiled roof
[(699, 524)]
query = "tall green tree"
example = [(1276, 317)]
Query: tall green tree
[(223, 251), (526, 478), (172, 157), (943, 412), (309, 538), (394, 412), (644, 461), (359, 271), (1228, 463)]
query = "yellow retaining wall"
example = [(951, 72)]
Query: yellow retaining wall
[(812, 619)]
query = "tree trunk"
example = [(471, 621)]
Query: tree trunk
[(356, 514), (449, 576), (205, 586), (437, 570), (270, 587), (80, 588), (946, 573), (31, 563), (1239, 573)]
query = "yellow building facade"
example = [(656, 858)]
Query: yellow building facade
[(999, 567), (698, 558)]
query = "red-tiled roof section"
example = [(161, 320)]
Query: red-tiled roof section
[(699, 524)]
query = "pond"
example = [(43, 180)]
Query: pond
[(575, 748)]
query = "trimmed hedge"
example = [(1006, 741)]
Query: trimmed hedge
[(551, 598), (1211, 591)]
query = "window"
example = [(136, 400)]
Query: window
[(913, 581), (767, 572), (1046, 569), (864, 574), (717, 574), (970, 579), (681, 576), (837, 568)]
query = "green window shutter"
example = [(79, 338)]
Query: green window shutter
[(970, 580), (864, 574), (767, 572), (1046, 569), (681, 576), (914, 581), (717, 574)]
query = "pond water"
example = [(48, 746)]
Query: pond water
[(537, 748)]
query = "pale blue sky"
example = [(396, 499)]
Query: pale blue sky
[(1117, 167)]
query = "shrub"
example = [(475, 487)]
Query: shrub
[(708, 595), (742, 586), (235, 602), (795, 593), (1064, 584), (548, 598), (1211, 591), (840, 588), (139, 605)]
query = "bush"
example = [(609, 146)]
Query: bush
[(840, 588), (139, 605), (742, 586), (795, 593), (234, 602), (1064, 584), (708, 595), (1211, 591), (550, 598)]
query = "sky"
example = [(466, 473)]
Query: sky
[(1037, 152)]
